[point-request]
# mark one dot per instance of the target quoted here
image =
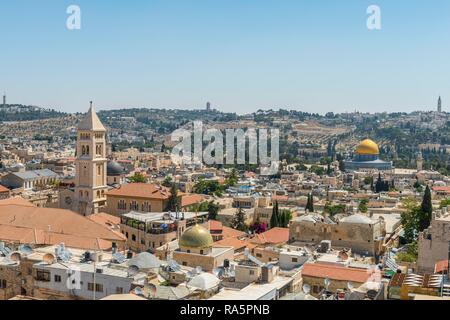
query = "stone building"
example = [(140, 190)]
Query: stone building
[(361, 234), (196, 250), (149, 231), (434, 244), (145, 197)]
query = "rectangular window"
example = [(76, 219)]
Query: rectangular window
[(57, 278), (119, 290), (98, 287), (251, 272), (42, 275), (294, 260)]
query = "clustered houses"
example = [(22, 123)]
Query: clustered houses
[(107, 223)]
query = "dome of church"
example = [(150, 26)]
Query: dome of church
[(196, 237), (368, 147), (114, 169)]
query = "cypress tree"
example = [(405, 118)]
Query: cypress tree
[(310, 203), (275, 219), (426, 209)]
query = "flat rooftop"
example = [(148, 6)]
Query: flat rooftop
[(159, 216), (253, 291)]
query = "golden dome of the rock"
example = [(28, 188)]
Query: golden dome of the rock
[(196, 237), (368, 147)]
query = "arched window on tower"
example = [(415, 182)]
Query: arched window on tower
[(83, 150), (87, 150)]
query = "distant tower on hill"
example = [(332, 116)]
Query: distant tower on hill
[(4, 100), (208, 106), (439, 109), (419, 162)]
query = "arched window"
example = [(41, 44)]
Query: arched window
[(87, 150), (83, 150)]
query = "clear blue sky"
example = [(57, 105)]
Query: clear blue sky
[(242, 55)]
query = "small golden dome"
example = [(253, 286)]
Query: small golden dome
[(196, 237), (368, 147)]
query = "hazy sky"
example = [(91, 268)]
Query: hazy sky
[(242, 55)]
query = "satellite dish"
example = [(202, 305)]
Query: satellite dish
[(138, 291), (25, 249), (350, 286), (14, 256), (327, 283), (306, 288), (49, 258), (133, 270)]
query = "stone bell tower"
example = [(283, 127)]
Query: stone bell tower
[(90, 178)]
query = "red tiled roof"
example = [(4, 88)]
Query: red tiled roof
[(214, 225), (272, 236), (141, 190), (279, 198), (441, 189), (190, 199), (441, 266), (231, 233), (333, 272), (3, 189), (236, 243), (22, 221), (153, 191)]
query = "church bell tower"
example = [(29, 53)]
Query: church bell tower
[(90, 179)]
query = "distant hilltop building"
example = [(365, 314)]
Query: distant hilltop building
[(367, 157), (4, 100), (208, 106), (439, 108)]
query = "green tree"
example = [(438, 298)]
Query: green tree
[(426, 210), (232, 179), (213, 210), (208, 187), (167, 182), (362, 207), (274, 219), (444, 203), (173, 203), (238, 222), (285, 218), (137, 178), (310, 203)]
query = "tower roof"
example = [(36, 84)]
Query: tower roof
[(91, 121)]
